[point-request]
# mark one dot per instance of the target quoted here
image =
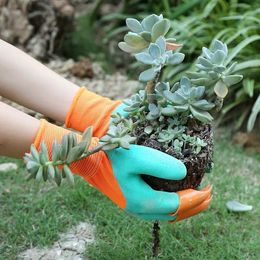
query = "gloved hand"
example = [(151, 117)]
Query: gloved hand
[(117, 174), (89, 109)]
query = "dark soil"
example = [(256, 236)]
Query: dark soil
[(196, 164)]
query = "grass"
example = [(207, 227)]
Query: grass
[(34, 215)]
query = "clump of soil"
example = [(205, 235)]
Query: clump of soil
[(196, 164)]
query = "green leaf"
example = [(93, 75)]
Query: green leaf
[(51, 171), (135, 41), (144, 58), (57, 177), (203, 104), (218, 57), (126, 48), (221, 89), (35, 153), (249, 86), (204, 62), (176, 58), (232, 79), (56, 149), (153, 109), (39, 174), (134, 25), (69, 174), (236, 206), (247, 64), (168, 111), (240, 46), (154, 51), (45, 173), (75, 154), (65, 144), (108, 147), (161, 43), (160, 29), (253, 115), (202, 116), (148, 129), (149, 21), (146, 36), (124, 144), (147, 75), (32, 166), (87, 135)]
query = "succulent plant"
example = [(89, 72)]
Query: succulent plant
[(42, 167), (214, 70), (168, 135), (187, 99), (145, 32), (157, 56)]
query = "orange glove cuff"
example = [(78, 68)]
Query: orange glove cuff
[(89, 109), (95, 169)]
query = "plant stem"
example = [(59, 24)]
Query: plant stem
[(156, 238), (150, 88)]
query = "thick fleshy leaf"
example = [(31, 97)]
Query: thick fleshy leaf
[(236, 206), (207, 53), (51, 172), (144, 58), (175, 98), (202, 116), (203, 104), (134, 25), (160, 29), (147, 75), (154, 51), (161, 43), (149, 21), (219, 69), (204, 62), (232, 79), (153, 109), (136, 41), (108, 147), (200, 81), (39, 174), (176, 58), (148, 129), (69, 174), (182, 108), (218, 57), (203, 68), (162, 86), (126, 48), (218, 45), (199, 91), (221, 89), (146, 35), (169, 111)]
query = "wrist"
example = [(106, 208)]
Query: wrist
[(89, 109)]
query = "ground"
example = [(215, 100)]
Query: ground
[(34, 215)]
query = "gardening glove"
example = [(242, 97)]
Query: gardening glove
[(117, 174), (89, 109)]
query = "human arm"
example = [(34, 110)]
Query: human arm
[(117, 173), (33, 85)]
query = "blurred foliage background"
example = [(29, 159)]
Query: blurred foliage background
[(195, 23)]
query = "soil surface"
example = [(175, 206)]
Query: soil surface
[(196, 164)]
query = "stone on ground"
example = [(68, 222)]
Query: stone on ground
[(70, 246)]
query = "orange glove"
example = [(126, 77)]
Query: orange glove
[(117, 174), (89, 109)]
